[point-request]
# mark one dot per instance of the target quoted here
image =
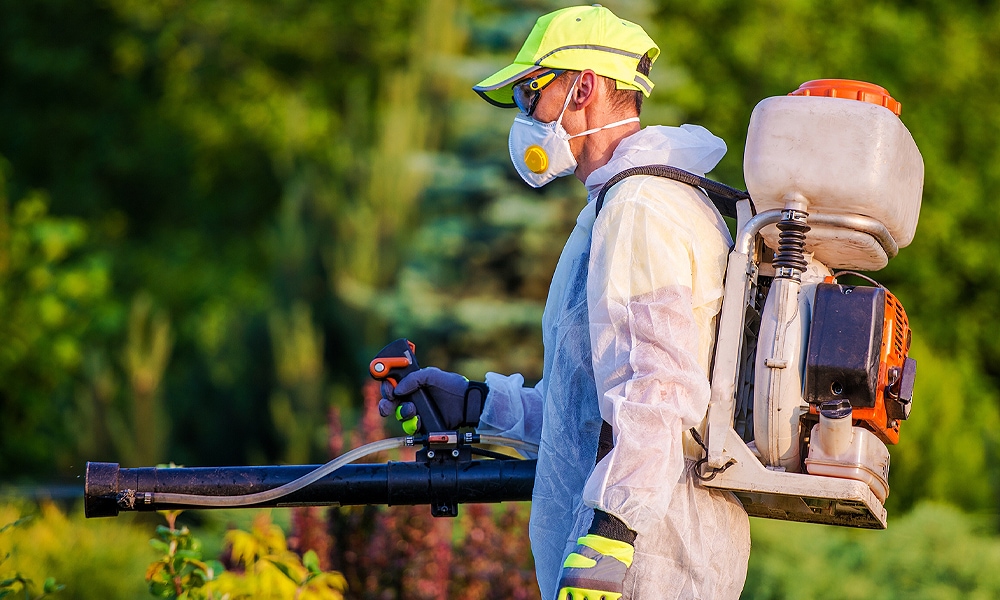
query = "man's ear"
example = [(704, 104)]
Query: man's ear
[(586, 89)]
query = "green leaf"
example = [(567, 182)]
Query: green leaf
[(284, 568), (50, 586), (16, 523), (189, 554), (216, 568), (184, 569), (160, 546), (160, 588), (311, 561), (164, 531)]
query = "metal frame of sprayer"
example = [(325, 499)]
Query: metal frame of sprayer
[(730, 463)]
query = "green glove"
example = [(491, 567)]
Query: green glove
[(595, 570)]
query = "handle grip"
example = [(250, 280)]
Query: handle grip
[(394, 362)]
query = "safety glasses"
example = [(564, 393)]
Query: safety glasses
[(526, 93)]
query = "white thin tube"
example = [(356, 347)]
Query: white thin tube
[(290, 487), (515, 444), (312, 476)]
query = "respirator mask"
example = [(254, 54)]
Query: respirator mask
[(540, 151)]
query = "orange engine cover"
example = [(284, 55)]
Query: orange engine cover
[(858, 345)]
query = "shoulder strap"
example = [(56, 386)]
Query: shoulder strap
[(723, 196)]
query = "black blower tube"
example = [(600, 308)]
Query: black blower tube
[(109, 489)]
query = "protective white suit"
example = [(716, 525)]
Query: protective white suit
[(628, 331)]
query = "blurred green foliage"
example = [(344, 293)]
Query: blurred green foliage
[(16, 583), (55, 298), (934, 552), (92, 558), (214, 212)]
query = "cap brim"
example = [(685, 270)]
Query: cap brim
[(497, 89)]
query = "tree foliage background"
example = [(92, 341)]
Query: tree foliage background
[(214, 212)]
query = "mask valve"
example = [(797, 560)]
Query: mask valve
[(536, 159)]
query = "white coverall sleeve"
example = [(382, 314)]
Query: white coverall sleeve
[(653, 291), (512, 410)]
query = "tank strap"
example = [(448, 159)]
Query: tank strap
[(724, 198)]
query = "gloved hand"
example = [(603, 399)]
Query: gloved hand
[(595, 570), (458, 400)]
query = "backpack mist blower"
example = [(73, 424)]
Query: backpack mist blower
[(811, 377)]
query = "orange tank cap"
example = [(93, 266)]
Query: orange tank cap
[(851, 90)]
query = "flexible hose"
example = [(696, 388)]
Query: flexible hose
[(792, 230), (515, 444), (313, 476), (284, 490)]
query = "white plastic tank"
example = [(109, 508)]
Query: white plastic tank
[(840, 146), (836, 449)]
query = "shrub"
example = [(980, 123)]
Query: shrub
[(97, 558), (264, 568), (934, 552)]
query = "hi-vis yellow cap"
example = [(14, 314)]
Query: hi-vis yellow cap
[(576, 38)]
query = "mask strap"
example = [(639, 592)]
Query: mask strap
[(608, 126), (589, 131), (568, 97)]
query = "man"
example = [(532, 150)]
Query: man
[(628, 330)]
